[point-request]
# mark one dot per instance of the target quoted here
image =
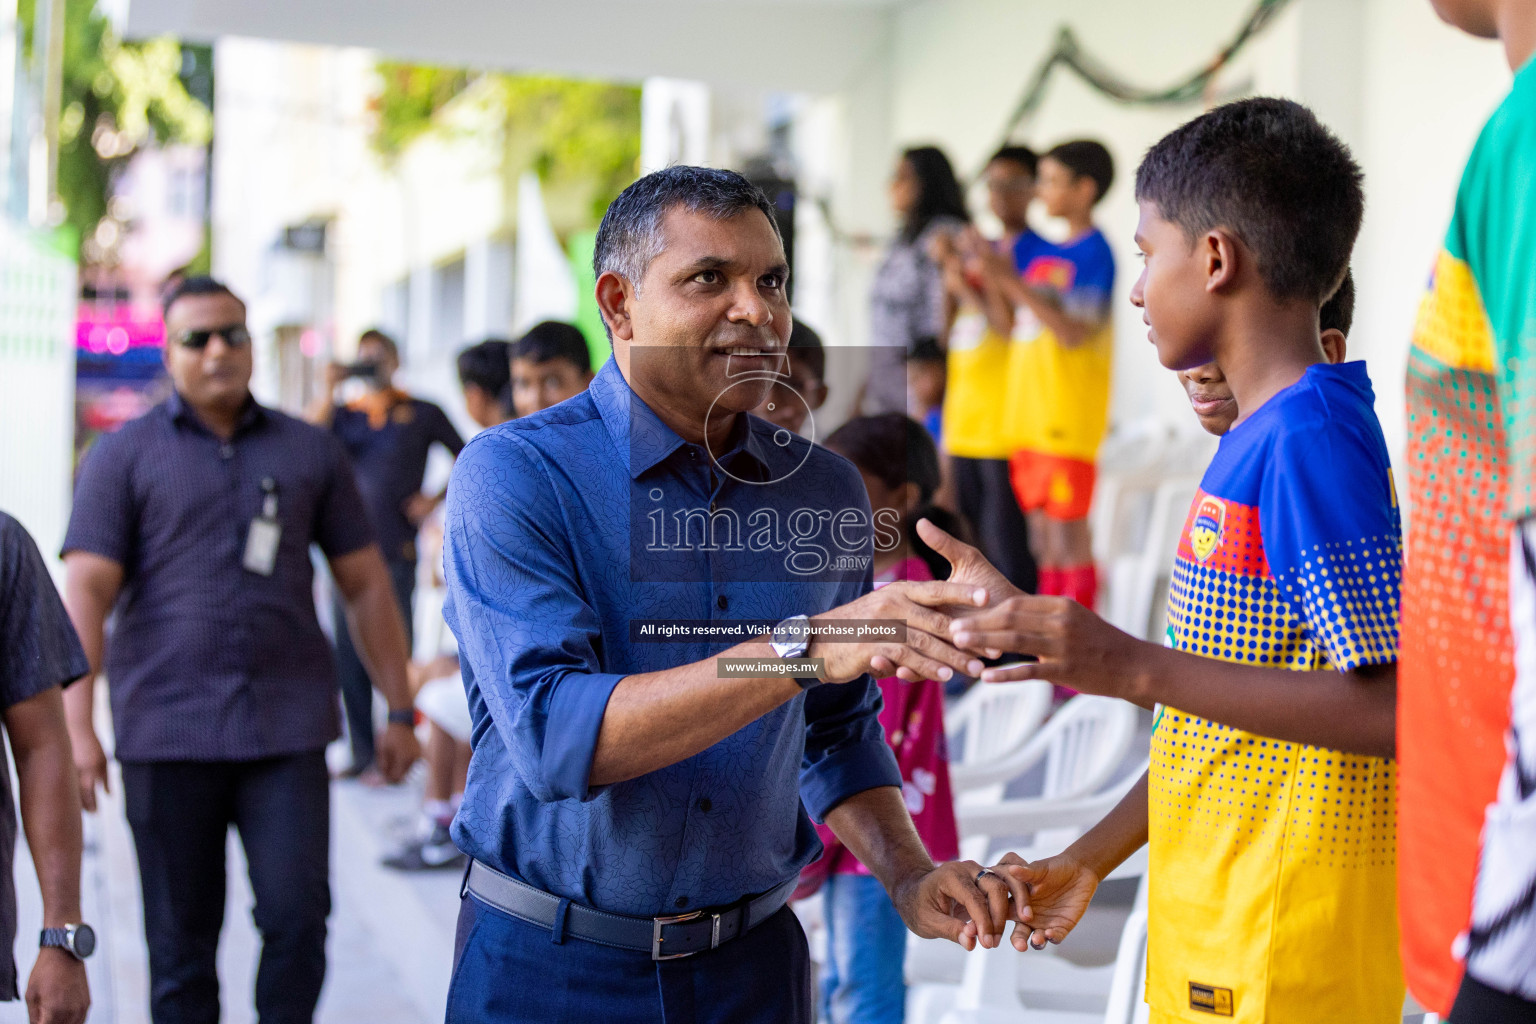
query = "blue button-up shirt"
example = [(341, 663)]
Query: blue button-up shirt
[(564, 542), (209, 661)]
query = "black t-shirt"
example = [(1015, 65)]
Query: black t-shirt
[(38, 650)]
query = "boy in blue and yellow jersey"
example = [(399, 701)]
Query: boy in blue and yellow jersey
[(1269, 802)]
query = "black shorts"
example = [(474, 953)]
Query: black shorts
[(1476, 1003), (984, 493)]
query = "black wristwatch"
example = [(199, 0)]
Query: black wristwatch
[(403, 716), (78, 940)]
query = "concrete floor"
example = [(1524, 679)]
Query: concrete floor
[(391, 936)]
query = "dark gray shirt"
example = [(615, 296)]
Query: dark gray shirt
[(209, 661), (38, 650)]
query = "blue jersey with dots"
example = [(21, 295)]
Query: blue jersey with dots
[(1273, 863)]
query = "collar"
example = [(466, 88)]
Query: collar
[(644, 441), (251, 414)]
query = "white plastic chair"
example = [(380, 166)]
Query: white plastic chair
[(988, 727), (1137, 579)]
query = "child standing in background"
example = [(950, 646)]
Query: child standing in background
[(866, 939), (1059, 366)]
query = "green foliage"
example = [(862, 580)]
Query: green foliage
[(581, 137), (117, 97)]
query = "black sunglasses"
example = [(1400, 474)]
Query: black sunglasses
[(234, 335)]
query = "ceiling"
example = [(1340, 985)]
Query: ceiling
[(800, 45)]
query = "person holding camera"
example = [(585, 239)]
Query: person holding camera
[(388, 433)]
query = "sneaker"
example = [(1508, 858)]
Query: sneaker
[(434, 853)]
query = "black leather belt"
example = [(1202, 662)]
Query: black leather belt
[(665, 938)]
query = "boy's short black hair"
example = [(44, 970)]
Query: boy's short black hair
[(1018, 154), (1086, 158), (925, 350), (1266, 170), (197, 284), (808, 349), (488, 366), (1338, 313), (554, 339)]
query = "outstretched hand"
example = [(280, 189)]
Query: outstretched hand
[(1051, 896), (1074, 646), (956, 901)]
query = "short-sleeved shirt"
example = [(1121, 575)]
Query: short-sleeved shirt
[(390, 458), (209, 661), (572, 531), (1272, 863), (1058, 396), (38, 649), (1471, 390), (976, 388)]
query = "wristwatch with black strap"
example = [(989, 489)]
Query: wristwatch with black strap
[(78, 940)]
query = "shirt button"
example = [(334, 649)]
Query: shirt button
[(705, 805), (721, 602), (680, 902)]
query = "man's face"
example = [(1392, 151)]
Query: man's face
[(375, 352), (219, 374), (1171, 292), (1010, 188), (537, 386), (710, 308)]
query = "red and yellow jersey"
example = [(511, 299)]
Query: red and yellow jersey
[(1471, 468), (976, 391), (1272, 873), (1058, 397)]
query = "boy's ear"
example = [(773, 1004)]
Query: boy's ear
[(613, 298), (1220, 256), (1335, 345)]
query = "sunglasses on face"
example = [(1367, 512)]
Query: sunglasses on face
[(234, 335)]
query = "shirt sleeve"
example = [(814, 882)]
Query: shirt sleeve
[(341, 521), (102, 518), (845, 747), (524, 624), (443, 431), (1328, 516), (38, 646), (1093, 281)]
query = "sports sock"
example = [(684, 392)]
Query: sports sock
[(1081, 583), (1050, 581)]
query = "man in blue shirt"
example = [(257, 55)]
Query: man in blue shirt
[(633, 808), (193, 525)]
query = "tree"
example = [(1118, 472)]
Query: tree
[(117, 97)]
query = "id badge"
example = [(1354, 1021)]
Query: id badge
[(261, 545)]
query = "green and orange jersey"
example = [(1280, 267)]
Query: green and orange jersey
[(1471, 393)]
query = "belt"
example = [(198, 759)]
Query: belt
[(665, 938)]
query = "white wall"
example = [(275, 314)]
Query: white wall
[(1405, 92)]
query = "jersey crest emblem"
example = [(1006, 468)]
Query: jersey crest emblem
[(1205, 532)]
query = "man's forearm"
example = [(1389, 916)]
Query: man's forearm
[(1353, 712), (656, 719), (50, 803), (876, 828)]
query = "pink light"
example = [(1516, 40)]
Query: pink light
[(309, 343), (97, 338), (117, 340)]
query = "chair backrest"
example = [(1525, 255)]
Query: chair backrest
[(993, 720), (1089, 739)]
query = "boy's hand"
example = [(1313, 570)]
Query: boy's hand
[(926, 652), (1076, 648), (1049, 896), (967, 565)]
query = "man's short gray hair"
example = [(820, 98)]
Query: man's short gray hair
[(630, 235)]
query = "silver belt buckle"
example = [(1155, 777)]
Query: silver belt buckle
[(657, 923)]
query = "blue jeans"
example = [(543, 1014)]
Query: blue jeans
[(506, 971), (866, 952)]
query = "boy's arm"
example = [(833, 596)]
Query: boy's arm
[(1053, 894), (1354, 712), (1071, 331)]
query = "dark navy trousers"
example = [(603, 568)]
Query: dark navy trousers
[(507, 970)]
